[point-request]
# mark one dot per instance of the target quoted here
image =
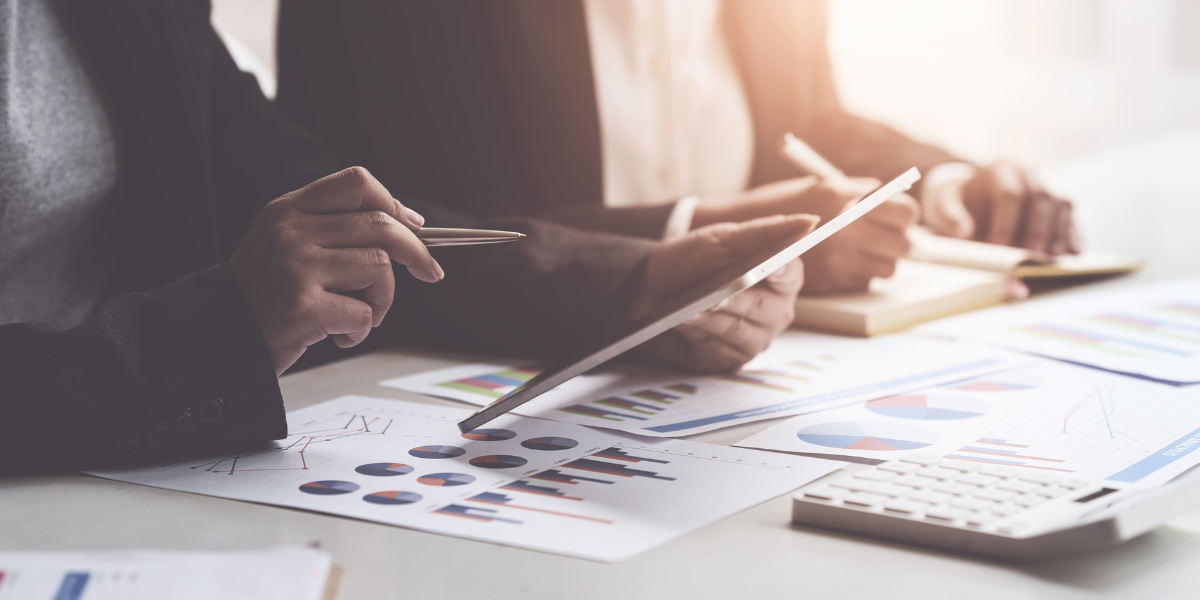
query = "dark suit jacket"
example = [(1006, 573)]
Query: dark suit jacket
[(489, 105), (174, 359)]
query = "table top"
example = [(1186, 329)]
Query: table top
[(757, 552)]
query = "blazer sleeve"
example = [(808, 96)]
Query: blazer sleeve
[(146, 375)]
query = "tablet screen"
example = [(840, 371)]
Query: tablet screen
[(690, 303)]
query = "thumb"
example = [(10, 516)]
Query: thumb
[(749, 237)]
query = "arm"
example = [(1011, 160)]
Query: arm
[(146, 374)]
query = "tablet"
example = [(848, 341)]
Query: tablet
[(688, 304)]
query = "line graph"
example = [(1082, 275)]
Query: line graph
[(298, 443)]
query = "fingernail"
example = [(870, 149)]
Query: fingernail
[(413, 219), (437, 271)]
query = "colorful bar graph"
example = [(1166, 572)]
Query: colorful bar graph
[(630, 405), (1166, 329), (559, 477), (754, 381), (599, 413), (1183, 307), (493, 385), (1098, 341), (619, 454), (1008, 463), (507, 502), (486, 515), (540, 490), (683, 388), (654, 396)]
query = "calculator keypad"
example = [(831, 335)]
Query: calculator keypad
[(945, 491)]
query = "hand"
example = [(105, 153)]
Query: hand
[(1003, 204), (848, 260), (340, 233), (728, 335)]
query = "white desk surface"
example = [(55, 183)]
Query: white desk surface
[(754, 554)]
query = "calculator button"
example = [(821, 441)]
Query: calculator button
[(874, 475), (995, 495), (913, 481), (945, 514), (977, 479), (1004, 472), (907, 507), (1052, 491), (1020, 487), (929, 497), (1030, 501), (825, 492), (939, 474), (963, 466), (958, 489), (1042, 478), (899, 467), (981, 520), (1007, 510), (925, 460), (863, 499), (972, 504), (1074, 484), (894, 491)]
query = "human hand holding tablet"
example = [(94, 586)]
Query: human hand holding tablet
[(716, 289)]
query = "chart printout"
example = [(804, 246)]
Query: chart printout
[(1051, 417), (1150, 330), (801, 372), (529, 483)]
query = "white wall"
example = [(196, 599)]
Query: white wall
[(1043, 81)]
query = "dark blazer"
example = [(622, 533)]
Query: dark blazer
[(174, 359), (490, 106)]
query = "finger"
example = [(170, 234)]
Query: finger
[(1066, 239), (951, 216), (881, 243), (376, 229), (787, 281), (346, 319), (354, 189), (871, 265), (366, 269), (900, 213), (1040, 222), (752, 236), (1007, 196), (711, 352)]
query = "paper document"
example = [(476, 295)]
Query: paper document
[(275, 574), (1051, 417), (522, 482), (1149, 331), (801, 372)]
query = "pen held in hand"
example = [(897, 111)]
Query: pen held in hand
[(438, 236)]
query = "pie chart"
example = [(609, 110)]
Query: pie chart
[(329, 487), (929, 406), (392, 498), (867, 435), (384, 469), (550, 443), (1011, 381), (498, 461), (489, 435), (437, 451), (446, 479)]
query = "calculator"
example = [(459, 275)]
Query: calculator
[(992, 510)]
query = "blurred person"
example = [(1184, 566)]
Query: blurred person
[(170, 244), (615, 115)]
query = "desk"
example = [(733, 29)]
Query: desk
[(754, 554)]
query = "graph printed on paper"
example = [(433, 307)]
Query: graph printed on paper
[(1052, 417), (800, 373), (524, 482)]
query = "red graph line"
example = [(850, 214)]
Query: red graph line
[(1089, 397)]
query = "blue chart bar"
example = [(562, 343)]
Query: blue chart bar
[(540, 490), (477, 514), (72, 586), (1165, 456), (819, 399), (560, 477)]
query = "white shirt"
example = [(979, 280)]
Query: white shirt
[(674, 120)]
